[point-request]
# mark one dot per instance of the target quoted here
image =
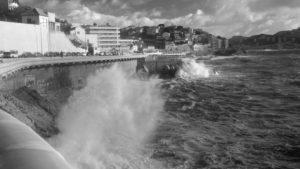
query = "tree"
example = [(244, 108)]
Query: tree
[(65, 26)]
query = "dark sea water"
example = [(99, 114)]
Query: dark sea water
[(247, 116)]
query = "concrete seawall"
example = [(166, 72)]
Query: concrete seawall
[(23, 37), (10, 66), (165, 66), (42, 74), (21, 147), (36, 95)]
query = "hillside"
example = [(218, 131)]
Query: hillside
[(280, 40)]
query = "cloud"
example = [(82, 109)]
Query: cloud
[(155, 13), (225, 18), (259, 5)]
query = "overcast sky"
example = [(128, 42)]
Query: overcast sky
[(220, 17)]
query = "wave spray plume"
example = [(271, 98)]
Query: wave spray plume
[(107, 124), (190, 69)]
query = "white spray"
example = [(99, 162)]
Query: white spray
[(107, 124), (190, 69)]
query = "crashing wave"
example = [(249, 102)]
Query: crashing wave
[(190, 69), (107, 123)]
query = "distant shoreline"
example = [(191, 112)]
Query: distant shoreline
[(272, 51)]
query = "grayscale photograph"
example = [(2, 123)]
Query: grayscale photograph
[(149, 84)]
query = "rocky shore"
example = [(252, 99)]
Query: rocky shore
[(36, 111)]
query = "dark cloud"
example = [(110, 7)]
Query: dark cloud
[(265, 5), (168, 8), (223, 17)]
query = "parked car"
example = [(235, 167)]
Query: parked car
[(14, 53), (10, 54)]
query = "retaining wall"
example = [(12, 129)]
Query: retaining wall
[(33, 38), (23, 37)]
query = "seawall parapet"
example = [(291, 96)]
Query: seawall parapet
[(165, 65), (9, 66)]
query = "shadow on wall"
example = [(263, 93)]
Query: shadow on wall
[(60, 42)]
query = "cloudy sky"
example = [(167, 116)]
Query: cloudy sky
[(220, 17)]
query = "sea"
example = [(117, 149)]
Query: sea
[(240, 112), (246, 114)]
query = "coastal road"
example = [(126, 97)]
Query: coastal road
[(10, 65)]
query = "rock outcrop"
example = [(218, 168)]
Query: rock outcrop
[(31, 108)]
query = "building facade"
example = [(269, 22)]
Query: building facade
[(126, 45), (53, 25), (40, 17), (36, 16), (107, 37)]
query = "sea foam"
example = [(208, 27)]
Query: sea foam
[(190, 69)]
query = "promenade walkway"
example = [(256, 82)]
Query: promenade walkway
[(12, 65)]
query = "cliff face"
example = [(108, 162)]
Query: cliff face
[(34, 110)]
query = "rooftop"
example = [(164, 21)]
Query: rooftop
[(35, 12)]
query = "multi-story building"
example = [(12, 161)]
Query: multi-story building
[(213, 41), (218, 43), (107, 37)]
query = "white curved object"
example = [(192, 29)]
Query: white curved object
[(22, 148)]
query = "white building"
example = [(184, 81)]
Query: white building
[(53, 25), (107, 37), (92, 41)]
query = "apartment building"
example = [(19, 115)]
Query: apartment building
[(107, 37)]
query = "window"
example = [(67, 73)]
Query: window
[(29, 20)]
